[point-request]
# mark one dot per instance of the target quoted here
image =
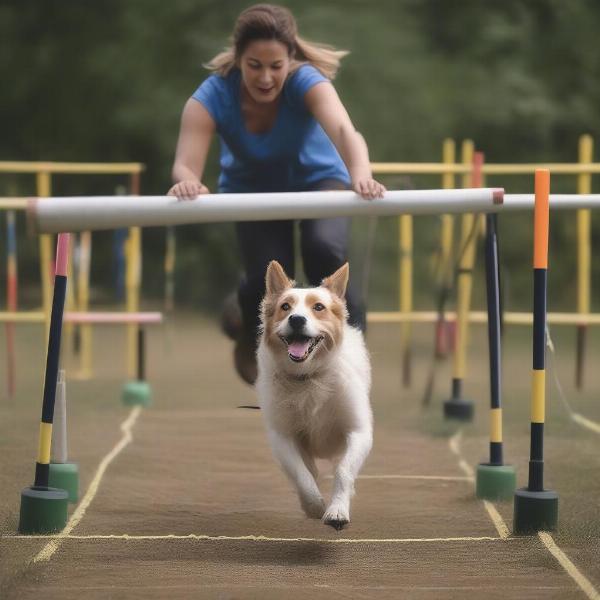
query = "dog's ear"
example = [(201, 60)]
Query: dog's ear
[(276, 280), (338, 282)]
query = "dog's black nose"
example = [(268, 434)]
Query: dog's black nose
[(297, 322)]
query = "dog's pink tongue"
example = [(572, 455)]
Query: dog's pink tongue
[(298, 349)]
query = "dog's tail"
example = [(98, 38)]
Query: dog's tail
[(249, 406)]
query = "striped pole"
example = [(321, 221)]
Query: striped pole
[(11, 301), (44, 509), (494, 480), (536, 509), (58, 302), (584, 252)]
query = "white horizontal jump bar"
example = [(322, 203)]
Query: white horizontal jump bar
[(53, 215), (557, 202)]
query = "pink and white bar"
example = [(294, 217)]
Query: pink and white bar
[(53, 215)]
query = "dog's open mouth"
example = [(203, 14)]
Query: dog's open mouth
[(299, 347)]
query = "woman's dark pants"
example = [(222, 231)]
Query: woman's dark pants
[(324, 248)]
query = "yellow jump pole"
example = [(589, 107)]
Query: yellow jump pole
[(44, 190), (584, 186), (405, 292), (132, 283), (442, 331), (535, 508), (457, 407)]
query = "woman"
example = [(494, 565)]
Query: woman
[(282, 128)]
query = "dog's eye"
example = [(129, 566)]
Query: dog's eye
[(319, 307), (285, 306)]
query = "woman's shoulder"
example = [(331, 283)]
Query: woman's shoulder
[(306, 74), (301, 80), (217, 94), (220, 83)]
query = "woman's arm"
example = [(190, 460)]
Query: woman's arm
[(195, 135), (324, 103)]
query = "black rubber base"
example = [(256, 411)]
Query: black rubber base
[(43, 510), (459, 409), (535, 511)]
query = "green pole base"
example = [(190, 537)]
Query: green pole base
[(136, 393), (65, 476), (535, 511), (459, 409), (43, 510), (495, 482)]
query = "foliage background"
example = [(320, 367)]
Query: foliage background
[(106, 81)]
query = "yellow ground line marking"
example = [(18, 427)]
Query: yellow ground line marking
[(495, 516), (49, 549), (548, 541), (258, 538), (585, 422), (580, 579)]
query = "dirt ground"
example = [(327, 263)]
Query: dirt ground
[(195, 506)]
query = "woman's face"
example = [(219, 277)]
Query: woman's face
[(264, 64)]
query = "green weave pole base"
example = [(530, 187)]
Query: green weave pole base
[(65, 476), (43, 510), (535, 511), (136, 392), (459, 409), (495, 482)]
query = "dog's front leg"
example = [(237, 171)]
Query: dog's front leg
[(358, 446), (290, 458)]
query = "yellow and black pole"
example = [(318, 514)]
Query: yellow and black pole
[(44, 509), (535, 508), (494, 479)]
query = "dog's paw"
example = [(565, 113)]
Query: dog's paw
[(337, 516), (313, 507)]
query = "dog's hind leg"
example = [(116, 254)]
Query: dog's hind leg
[(358, 446), (291, 459)]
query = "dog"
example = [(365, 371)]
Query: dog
[(313, 384)]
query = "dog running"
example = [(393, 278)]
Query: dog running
[(313, 384)]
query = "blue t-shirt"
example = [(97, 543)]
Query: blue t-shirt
[(292, 156)]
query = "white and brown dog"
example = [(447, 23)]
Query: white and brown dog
[(313, 384)]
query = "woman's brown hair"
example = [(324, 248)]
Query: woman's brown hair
[(272, 22)]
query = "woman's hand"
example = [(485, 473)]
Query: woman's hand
[(188, 189), (368, 188)]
